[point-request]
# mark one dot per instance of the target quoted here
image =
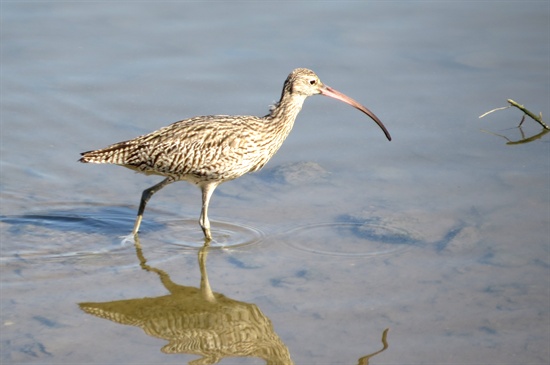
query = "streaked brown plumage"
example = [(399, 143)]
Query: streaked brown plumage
[(209, 150)]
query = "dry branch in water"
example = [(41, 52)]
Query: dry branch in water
[(537, 118)]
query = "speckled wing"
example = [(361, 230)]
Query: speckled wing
[(196, 149)]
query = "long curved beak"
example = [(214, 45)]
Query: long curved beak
[(328, 91)]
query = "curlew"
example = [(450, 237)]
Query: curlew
[(209, 150)]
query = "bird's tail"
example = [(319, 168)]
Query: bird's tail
[(115, 154)]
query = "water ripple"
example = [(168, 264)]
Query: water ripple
[(56, 232), (187, 233), (349, 239)]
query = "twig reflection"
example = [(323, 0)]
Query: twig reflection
[(365, 359), (524, 139), (526, 112)]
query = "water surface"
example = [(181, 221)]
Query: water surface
[(441, 235)]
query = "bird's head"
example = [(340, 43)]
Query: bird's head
[(304, 82)]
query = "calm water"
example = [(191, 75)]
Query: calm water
[(442, 235)]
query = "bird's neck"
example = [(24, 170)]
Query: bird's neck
[(282, 115), (276, 126)]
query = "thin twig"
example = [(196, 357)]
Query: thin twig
[(494, 110), (537, 118)]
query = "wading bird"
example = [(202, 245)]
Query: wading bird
[(209, 150)]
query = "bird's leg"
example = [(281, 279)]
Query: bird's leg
[(207, 190), (145, 196)]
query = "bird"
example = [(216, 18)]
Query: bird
[(209, 150)]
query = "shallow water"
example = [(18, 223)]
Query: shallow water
[(442, 235)]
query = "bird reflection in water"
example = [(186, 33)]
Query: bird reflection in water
[(200, 322)]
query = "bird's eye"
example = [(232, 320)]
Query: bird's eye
[(312, 82)]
